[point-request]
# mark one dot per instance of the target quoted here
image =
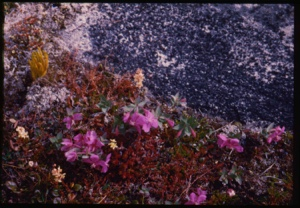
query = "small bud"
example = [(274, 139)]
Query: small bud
[(30, 163), (231, 192)]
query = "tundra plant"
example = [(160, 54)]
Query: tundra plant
[(87, 148), (196, 199)]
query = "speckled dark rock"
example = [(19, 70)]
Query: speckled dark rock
[(230, 60)]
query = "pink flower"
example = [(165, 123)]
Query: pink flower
[(231, 143), (170, 122), (193, 132), (230, 192), (79, 139), (104, 164), (178, 134), (196, 199), (276, 134), (71, 156), (96, 162), (137, 120), (126, 117), (92, 141), (149, 121), (71, 119), (117, 131), (67, 144)]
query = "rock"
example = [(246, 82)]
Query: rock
[(233, 61), (229, 60)]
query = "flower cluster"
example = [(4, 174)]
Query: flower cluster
[(88, 147), (58, 175), (195, 199), (275, 134), (32, 164), (113, 144), (231, 143), (141, 121), (230, 192), (71, 119), (22, 133), (139, 78)]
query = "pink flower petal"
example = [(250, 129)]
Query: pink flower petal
[(222, 141), (178, 134), (170, 122), (193, 132), (77, 116), (126, 117)]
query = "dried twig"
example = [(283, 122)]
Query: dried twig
[(267, 169), (191, 183)]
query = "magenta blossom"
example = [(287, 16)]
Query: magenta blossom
[(92, 141), (96, 162), (67, 145), (136, 120), (71, 119), (231, 143), (196, 199), (149, 121), (104, 164), (178, 134), (126, 117), (71, 156), (79, 139), (275, 134), (170, 122), (193, 132)]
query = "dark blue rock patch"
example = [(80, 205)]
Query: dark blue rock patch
[(232, 61)]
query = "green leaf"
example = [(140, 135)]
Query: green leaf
[(141, 104), (168, 203), (53, 139), (59, 136), (69, 112), (270, 127), (177, 127), (77, 187), (55, 192), (12, 186), (56, 200), (238, 179), (233, 170), (158, 112), (187, 131), (192, 122), (57, 146), (160, 125), (106, 186), (104, 104), (128, 108)]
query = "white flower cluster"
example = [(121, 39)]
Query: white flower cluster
[(22, 133), (139, 78), (58, 175)]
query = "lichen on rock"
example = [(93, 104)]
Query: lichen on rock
[(40, 99)]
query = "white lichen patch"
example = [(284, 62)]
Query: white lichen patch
[(162, 60), (40, 99), (231, 129), (288, 33)]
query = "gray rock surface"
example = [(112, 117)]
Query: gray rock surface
[(229, 60)]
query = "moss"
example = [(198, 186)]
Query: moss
[(39, 63)]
